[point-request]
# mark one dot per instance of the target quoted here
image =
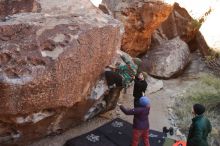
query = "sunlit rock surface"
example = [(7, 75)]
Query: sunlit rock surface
[(140, 19)]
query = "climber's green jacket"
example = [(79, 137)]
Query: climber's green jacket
[(127, 72)]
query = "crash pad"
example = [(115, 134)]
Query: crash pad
[(116, 133)]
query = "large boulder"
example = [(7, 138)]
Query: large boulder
[(140, 20), (168, 59), (51, 64), (179, 23)]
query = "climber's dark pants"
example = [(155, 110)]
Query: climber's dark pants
[(113, 78)]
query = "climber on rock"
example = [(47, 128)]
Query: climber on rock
[(120, 74), (113, 78)]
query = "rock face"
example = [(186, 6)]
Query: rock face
[(140, 20), (51, 62), (154, 85), (168, 59), (12, 7), (200, 43), (179, 23)]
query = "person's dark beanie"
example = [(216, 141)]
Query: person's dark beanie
[(198, 109)]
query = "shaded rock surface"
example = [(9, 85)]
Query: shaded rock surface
[(168, 59), (154, 85), (10, 7), (199, 42), (51, 64), (140, 19), (179, 23)]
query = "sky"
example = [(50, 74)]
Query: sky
[(196, 8), (96, 2), (210, 29)]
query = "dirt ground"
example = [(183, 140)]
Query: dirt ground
[(160, 102)]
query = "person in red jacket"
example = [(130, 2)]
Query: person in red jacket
[(140, 121)]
